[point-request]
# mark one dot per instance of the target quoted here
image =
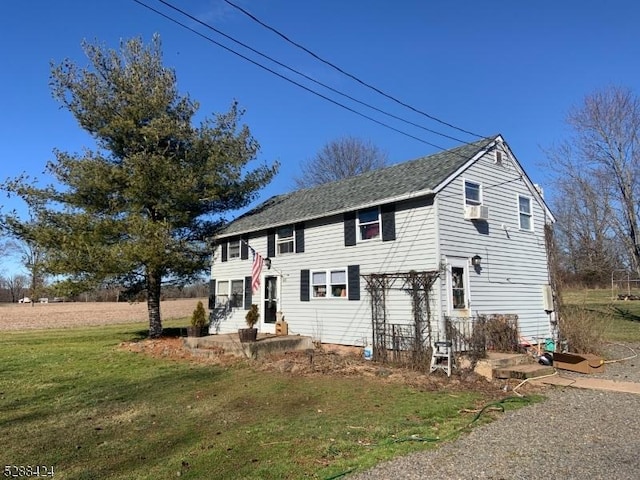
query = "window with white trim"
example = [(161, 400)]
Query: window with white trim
[(369, 223), (525, 213), (234, 249), (222, 292), (472, 193), (329, 283), (285, 240), (237, 293)]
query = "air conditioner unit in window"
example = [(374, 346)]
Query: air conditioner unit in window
[(476, 212)]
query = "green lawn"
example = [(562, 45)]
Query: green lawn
[(73, 400), (622, 317)]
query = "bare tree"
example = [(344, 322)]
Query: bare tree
[(338, 159), (16, 285), (32, 257), (598, 179)]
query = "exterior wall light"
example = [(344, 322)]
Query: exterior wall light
[(476, 260)]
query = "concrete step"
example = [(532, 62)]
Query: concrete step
[(522, 372), (230, 344)]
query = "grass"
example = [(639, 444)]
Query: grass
[(73, 400), (622, 317)]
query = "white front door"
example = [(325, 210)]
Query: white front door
[(270, 303)]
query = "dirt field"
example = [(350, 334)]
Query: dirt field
[(62, 315)]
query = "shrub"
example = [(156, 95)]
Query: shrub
[(583, 329), (199, 319)]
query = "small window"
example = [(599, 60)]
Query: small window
[(237, 293), (457, 288), (369, 224), (331, 283), (524, 209), (234, 249), (472, 193), (284, 240), (499, 156), (319, 284)]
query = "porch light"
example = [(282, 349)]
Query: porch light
[(476, 260), (267, 263)]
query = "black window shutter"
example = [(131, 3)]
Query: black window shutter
[(244, 248), (349, 229), (271, 243), (388, 222), (353, 277), (299, 228), (225, 251), (212, 294), (304, 285), (247, 293)]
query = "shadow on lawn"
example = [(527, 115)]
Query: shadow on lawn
[(167, 332), (625, 314)]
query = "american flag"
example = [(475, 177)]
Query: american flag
[(256, 270)]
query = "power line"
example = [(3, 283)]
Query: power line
[(353, 77), (286, 78), (328, 87)]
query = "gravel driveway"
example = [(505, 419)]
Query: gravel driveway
[(574, 434)]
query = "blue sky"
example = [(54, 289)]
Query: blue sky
[(489, 67)]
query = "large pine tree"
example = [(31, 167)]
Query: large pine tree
[(139, 208)]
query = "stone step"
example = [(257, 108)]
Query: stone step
[(522, 372)]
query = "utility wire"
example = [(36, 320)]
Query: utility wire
[(353, 77), (248, 47), (288, 79)]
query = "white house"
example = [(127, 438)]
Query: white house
[(470, 214)]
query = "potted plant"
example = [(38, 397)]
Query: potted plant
[(198, 327), (251, 318)]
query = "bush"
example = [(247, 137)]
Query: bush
[(583, 329), (199, 319)]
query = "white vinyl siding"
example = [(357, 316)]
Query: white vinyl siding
[(514, 262), (340, 320)]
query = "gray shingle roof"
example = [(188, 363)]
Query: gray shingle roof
[(374, 187)]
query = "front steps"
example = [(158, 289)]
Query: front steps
[(511, 365)]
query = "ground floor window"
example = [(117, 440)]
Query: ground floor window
[(230, 292), (329, 283)]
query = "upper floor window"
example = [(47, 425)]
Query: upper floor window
[(284, 240), (369, 223), (524, 210), (472, 193), (234, 249)]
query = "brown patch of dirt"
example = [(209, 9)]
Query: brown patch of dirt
[(332, 360)]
